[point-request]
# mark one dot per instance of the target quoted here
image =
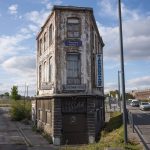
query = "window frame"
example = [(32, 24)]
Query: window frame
[(50, 34), (40, 76), (73, 80), (45, 41), (40, 46), (73, 24), (50, 70)]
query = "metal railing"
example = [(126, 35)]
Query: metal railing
[(131, 120)]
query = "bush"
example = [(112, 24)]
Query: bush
[(20, 110)]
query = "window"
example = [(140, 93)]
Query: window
[(40, 115), (92, 37), (45, 41), (73, 69), (45, 72), (73, 28), (50, 69), (50, 34), (40, 76), (48, 117), (40, 47), (95, 43)]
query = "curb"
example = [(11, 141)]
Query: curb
[(27, 141), (141, 137)]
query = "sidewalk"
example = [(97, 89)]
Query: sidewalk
[(34, 140), (133, 136)]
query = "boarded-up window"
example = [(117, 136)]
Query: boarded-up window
[(48, 117), (45, 41), (73, 69), (50, 69), (50, 34), (92, 37), (73, 28), (40, 76), (40, 46), (40, 115), (45, 72)]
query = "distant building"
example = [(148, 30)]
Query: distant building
[(141, 94), (70, 92)]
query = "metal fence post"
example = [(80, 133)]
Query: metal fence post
[(132, 123)]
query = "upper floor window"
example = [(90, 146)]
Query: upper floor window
[(45, 41), (50, 69), (45, 72), (73, 69), (40, 76), (40, 47), (92, 37), (73, 28), (50, 34)]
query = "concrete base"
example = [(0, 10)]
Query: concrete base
[(91, 139), (56, 140)]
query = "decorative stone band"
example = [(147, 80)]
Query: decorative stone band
[(80, 87), (46, 86)]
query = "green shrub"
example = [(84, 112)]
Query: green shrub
[(20, 110)]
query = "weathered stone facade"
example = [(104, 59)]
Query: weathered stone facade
[(141, 94), (70, 97)]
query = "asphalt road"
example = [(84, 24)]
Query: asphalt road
[(10, 137), (18, 136), (142, 124)]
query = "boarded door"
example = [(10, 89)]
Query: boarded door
[(74, 122), (74, 129)]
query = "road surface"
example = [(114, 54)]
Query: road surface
[(141, 121), (17, 136)]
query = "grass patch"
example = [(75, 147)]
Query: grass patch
[(20, 110), (111, 136)]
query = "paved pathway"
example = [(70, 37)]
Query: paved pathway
[(142, 125), (17, 136)]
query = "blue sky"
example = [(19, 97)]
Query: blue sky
[(21, 20)]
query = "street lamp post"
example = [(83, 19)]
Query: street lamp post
[(122, 74)]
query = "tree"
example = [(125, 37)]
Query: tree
[(6, 94), (14, 93)]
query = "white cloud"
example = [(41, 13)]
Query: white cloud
[(110, 9), (49, 4), (22, 67), (132, 84), (136, 36), (110, 87), (11, 45), (20, 63), (13, 9), (139, 82), (37, 17)]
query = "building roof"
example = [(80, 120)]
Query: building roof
[(58, 7), (73, 8)]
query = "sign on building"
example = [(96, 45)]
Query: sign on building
[(76, 43), (99, 70)]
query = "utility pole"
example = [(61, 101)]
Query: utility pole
[(122, 74), (27, 91), (119, 97), (24, 95)]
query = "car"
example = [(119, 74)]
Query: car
[(135, 103), (144, 106)]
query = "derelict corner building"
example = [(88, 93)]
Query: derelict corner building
[(70, 92)]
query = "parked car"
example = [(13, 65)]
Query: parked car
[(144, 106), (135, 103)]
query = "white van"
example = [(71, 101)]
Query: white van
[(135, 103)]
